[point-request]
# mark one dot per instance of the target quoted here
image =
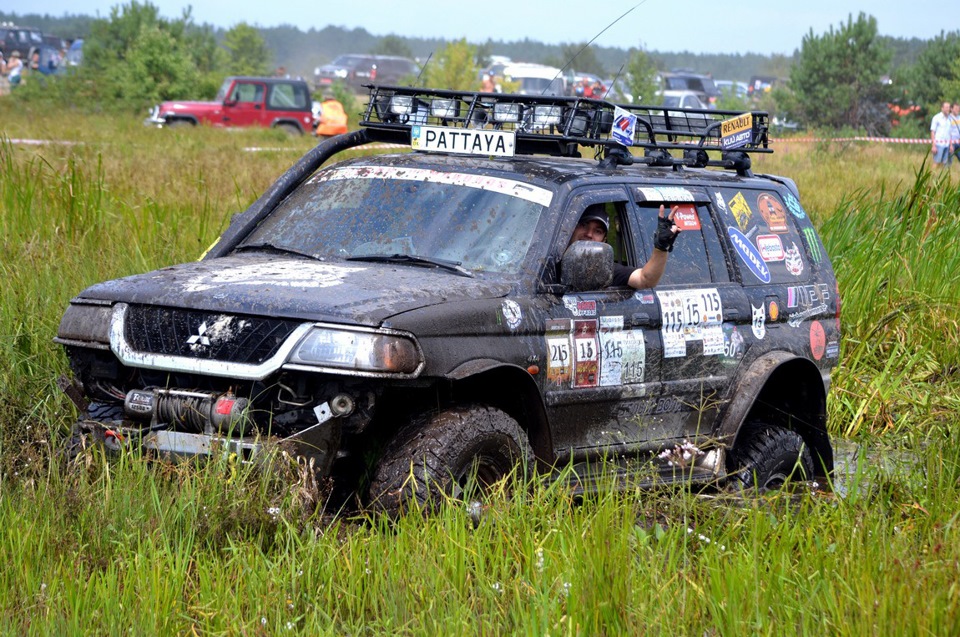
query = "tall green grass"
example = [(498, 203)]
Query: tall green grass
[(126, 546)]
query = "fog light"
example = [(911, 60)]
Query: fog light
[(506, 112), (401, 104), (547, 115), (444, 109)]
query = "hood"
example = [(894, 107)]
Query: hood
[(339, 292), (188, 107)]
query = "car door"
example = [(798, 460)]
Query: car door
[(703, 315), (245, 104), (602, 364)]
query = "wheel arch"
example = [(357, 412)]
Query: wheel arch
[(511, 389), (780, 388), (286, 121), (171, 118)]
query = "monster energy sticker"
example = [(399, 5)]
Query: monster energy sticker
[(813, 245)]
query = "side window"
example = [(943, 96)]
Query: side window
[(287, 96), (689, 262), (763, 236), (245, 92)]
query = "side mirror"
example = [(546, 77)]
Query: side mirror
[(229, 102), (587, 265)]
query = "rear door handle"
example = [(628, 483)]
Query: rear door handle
[(640, 319), (731, 315)]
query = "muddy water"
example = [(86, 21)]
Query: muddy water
[(856, 465)]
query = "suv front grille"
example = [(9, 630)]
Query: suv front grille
[(204, 335)]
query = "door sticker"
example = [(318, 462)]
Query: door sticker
[(611, 350), (759, 325), (686, 217), (586, 353), (691, 315), (770, 247), (559, 352), (818, 340), (772, 212), (794, 261), (749, 254), (741, 211)]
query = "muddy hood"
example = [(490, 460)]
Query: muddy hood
[(343, 292)]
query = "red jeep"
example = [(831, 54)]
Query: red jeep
[(244, 101)]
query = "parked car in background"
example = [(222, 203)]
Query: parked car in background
[(18, 38), (355, 70), (700, 84), (732, 88), (271, 102), (681, 99), (535, 79), (75, 53)]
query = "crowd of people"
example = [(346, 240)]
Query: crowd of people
[(945, 134)]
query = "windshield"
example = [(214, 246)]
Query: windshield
[(222, 93), (485, 224), (671, 100)]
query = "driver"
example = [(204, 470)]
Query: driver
[(593, 226)]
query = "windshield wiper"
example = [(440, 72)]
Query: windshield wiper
[(414, 259), (269, 246)]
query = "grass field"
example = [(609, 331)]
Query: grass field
[(123, 547)]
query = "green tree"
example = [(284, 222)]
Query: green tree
[(156, 68), (926, 82), (951, 85), (641, 77), (454, 67), (392, 45), (247, 53), (580, 58), (837, 78)]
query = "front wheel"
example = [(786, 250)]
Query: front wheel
[(767, 457), (449, 453)]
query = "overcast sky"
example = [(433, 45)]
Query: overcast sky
[(699, 26)]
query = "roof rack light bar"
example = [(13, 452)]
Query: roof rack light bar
[(558, 125)]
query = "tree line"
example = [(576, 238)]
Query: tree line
[(847, 77)]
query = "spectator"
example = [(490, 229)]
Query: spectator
[(14, 70), (940, 136), (4, 84), (955, 130), (487, 85)]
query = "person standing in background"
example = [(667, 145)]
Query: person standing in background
[(940, 136), (14, 70), (955, 130)]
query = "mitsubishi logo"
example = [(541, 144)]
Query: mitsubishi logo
[(199, 338)]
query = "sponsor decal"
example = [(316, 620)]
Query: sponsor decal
[(818, 340), (740, 210), (733, 344), (749, 254), (559, 352), (772, 212), (691, 315), (685, 217), (813, 245), (645, 298), (736, 132), (721, 204), (793, 261), (624, 125), (511, 187), (833, 349), (611, 350), (794, 206), (773, 310), (511, 313), (586, 353), (665, 193), (759, 324), (277, 274), (807, 295), (580, 307), (795, 319), (770, 247)]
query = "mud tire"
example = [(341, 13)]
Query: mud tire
[(447, 454), (768, 457), (290, 130)]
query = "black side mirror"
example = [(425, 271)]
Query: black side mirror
[(587, 265)]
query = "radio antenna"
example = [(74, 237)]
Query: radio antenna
[(423, 68), (592, 40)]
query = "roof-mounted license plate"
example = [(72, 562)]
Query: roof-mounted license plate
[(466, 141)]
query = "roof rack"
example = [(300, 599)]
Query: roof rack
[(549, 125)]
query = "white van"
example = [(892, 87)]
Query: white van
[(535, 79)]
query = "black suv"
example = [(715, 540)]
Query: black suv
[(356, 70), (424, 307), (702, 85), (17, 38)]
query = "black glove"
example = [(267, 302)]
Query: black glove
[(665, 235)]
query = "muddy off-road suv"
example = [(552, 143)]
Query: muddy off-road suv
[(416, 322)]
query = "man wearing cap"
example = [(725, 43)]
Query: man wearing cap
[(594, 225)]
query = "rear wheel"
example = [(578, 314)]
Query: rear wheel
[(290, 130), (767, 457), (459, 453)]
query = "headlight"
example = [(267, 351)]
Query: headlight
[(341, 73), (363, 351)]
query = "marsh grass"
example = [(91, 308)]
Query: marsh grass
[(153, 548)]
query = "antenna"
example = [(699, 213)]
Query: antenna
[(612, 82), (574, 57), (423, 68)]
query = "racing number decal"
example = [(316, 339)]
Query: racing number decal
[(581, 355), (691, 315)]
